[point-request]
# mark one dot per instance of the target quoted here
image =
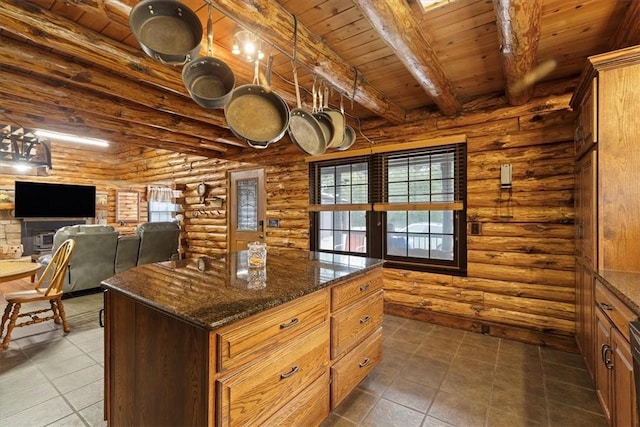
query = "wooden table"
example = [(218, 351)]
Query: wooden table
[(12, 270)]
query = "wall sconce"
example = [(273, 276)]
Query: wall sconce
[(247, 45)]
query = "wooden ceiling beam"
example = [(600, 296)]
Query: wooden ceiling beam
[(68, 38), (396, 25), (628, 32), (51, 93), (79, 85), (56, 117), (275, 25), (17, 114), (518, 25)]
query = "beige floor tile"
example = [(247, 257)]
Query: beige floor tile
[(386, 413), (451, 408), (410, 394)]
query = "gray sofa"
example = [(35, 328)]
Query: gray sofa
[(101, 252)]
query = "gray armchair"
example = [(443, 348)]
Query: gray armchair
[(158, 241), (92, 260), (127, 252)]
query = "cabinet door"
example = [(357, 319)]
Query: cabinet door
[(584, 314), (603, 363), (586, 209), (624, 392), (587, 121)]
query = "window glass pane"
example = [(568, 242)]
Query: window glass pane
[(161, 211), (247, 196), (343, 194), (398, 190), (359, 193), (426, 234)]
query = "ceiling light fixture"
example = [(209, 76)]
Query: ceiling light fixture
[(247, 45), (426, 5), (22, 149), (72, 138)]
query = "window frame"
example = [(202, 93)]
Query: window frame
[(377, 206)]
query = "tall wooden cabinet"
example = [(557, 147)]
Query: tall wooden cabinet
[(607, 213)]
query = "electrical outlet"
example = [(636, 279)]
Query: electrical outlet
[(475, 228)]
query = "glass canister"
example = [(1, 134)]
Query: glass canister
[(257, 254)]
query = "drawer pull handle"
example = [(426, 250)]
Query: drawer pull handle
[(364, 363), (365, 319), (364, 287), (290, 324), (286, 375), (605, 306), (606, 348)]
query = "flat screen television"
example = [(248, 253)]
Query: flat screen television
[(44, 200)]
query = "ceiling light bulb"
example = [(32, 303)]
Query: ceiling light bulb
[(21, 167)]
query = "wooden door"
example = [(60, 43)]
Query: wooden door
[(247, 206)]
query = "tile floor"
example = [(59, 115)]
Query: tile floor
[(429, 376)]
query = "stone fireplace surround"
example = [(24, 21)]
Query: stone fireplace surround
[(14, 231)]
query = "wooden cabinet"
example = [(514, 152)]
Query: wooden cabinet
[(585, 320), (607, 207), (607, 100), (258, 336), (614, 367), (586, 131), (586, 253), (273, 368), (251, 395), (356, 333)]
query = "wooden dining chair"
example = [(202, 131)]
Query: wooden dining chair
[(54, 272)]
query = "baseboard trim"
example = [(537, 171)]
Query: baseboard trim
[(558, 342)]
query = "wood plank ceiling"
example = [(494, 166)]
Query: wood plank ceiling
[(74, 65)]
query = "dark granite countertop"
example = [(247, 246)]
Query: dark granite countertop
[(211, 292), (625, 285)]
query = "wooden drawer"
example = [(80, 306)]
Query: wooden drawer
[(251, 396), (309, 408), (352, 325), (356, 289), (347, 373), (259, 335), (619, 314)]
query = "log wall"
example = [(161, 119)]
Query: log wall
[(520, 281)]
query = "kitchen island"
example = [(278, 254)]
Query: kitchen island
[(208, 341)]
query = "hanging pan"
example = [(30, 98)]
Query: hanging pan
[(304, 129), (349, 133), (209, 80), (337, 121), (323, 119), (256, 114), (167, 30)]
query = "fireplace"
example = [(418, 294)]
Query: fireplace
[(37, 235), (43, 242)]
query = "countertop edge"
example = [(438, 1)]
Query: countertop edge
[(245, 314), (609, 279)]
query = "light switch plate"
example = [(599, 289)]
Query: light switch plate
[(505, 175)]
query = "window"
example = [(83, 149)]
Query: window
[(407, 207), (161, 206)]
